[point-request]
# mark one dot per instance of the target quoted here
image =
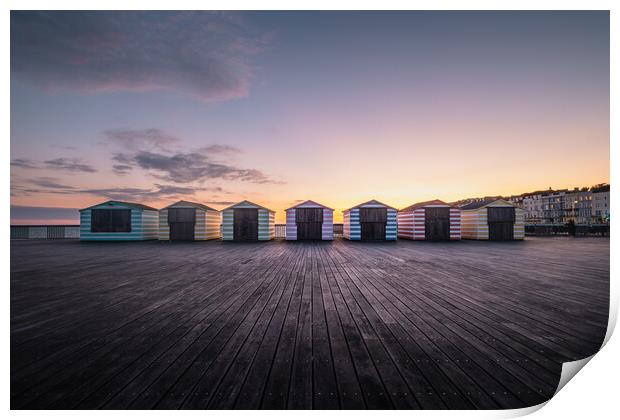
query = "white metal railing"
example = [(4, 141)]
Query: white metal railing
[(45, 232)]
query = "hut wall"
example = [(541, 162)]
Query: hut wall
[(227, 224), (474, 224), (266, 225), (404, 220), (291, 225), (455, 224), (327, 233), (164, 228), (391, 228), (213, 220), (419, 224), (519, 228), (352, 229), (143, 225), (150, 221)]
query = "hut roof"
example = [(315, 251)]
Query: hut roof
[(250, 203), (424, 204), (371, 203), (126, 203), (309, 202), (190, 204), (485, 203)]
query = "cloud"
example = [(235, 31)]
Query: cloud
[(61, 164), (121, 169), (219, 149), (159, 192), (221, 203), (60, 146), (195, 166), (49, 182), (69, 165), (150, 138), (205, 55), (24, 163)]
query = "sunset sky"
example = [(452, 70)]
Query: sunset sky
[(275, 107)]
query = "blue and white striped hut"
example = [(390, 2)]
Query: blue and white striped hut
[(118, 221), (246, 221), (370, 221), (188, 221)]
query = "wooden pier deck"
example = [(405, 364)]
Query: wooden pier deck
[(302, 325)]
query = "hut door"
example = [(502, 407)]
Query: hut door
[(182, 224), (245, 225), (309, 223), (501, 223), (373, 221), (437, 223)]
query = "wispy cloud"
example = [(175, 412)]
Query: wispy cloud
[(121, 169), (49, 182), (194, 166), (59, 164), (220, 149), (158, 192), (221, 203), (69, 165), (60, 146), (199, 54), (24, 163), (50, 185), (149, 138)]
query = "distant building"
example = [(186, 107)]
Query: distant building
[(533, 209), (600, 204), (583, 206), (577, 207)]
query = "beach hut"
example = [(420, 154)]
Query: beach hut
[(118, 221), (187, 221), (370, 221), (495, 220), (430, 221), (309, 221), (246, 221)]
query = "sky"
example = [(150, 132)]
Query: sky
[(278, 107)]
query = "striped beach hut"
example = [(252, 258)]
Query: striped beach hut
[(495, 220), (370, 221), (246, 221), (187, 221), (309, 221), (118, 221), (431, 221)]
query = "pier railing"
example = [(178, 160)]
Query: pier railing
[(73, 231), (45, 232), (565, 230)]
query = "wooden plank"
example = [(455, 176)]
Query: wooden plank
[(302, 325)]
